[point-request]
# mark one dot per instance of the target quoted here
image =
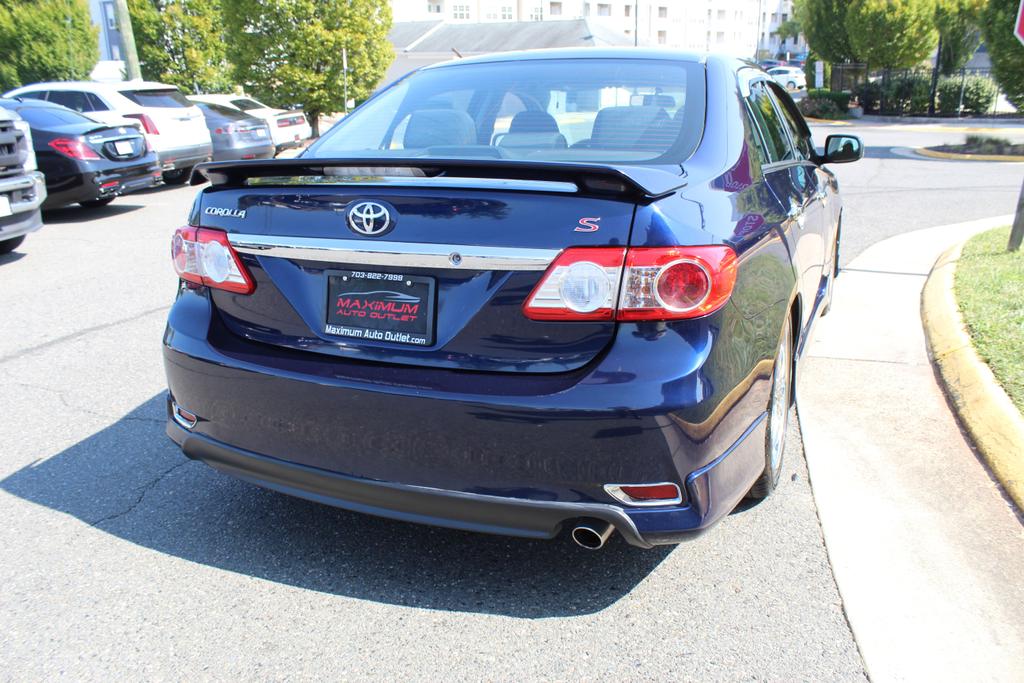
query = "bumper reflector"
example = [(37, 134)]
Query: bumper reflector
[(183, 417), (664, 493)]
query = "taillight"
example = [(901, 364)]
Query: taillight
[(676, 282), (74, 148), (205, 257), (147, 123), (581, 284), (657, 283), (226, 129)]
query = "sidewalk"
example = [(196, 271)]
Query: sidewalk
[(927, 552)]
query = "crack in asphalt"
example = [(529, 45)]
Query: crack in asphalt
[(80, 333), (85, 411), (146, 488)]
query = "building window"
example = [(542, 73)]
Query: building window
[(721, 15), (663, 12), (434, 9), (506, 13), (629, 8), (662, 37), (720, 37), (536, 14), (555, 9), (604, 10), (460, 11)]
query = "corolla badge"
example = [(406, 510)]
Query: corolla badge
[(370, 219)]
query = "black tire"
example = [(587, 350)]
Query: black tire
[(96, 203), (778, 415), (7, 246), (178, 176)]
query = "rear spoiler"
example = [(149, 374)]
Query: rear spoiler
[(635, 182)]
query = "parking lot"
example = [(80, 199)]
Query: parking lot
[(120, 558)]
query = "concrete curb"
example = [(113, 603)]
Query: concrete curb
[(993, 422), (936, 154)]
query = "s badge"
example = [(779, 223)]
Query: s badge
[(587, 225)]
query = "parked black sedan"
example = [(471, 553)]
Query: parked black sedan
[(85, 161), (237, 135)]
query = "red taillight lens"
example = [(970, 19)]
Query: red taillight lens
[(676, 282), (657, 283), (74, 148), (205, 257), (226, 129), (581, 284), (147, 123)]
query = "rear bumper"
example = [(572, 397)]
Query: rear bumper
[(264, 150), (92, 185), (500, 454), (184, 157)]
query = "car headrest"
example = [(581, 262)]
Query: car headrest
[(623, 127), (433, 127), (533, 122)]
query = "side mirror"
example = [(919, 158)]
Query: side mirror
[(842, 149)]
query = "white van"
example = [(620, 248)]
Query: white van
[(174, 126)]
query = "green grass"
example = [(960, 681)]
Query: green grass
[(990, 292)]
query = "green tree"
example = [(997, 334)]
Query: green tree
[(997, 20), (182, 42), (291, 52), (824, 26), (45, 40), (891, 33), (957, 22)]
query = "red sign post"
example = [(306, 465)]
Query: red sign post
[(1018, 28)]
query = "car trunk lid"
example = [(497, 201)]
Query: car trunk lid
[(444, 285)]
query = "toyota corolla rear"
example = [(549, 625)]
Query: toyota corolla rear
[(471, 305)]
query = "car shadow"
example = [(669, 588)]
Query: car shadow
[(11, 257), (131, 481), (77, 214)]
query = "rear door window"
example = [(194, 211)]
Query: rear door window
[(169, 98), (798, 130), (769, 123), (33, 95), (72, 99)]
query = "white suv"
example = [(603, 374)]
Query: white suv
[(790, 77), (288, 127), (174, 126)]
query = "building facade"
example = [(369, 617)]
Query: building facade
[(728, 26), (775, 13)]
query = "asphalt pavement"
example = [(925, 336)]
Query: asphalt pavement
[(121, 559)]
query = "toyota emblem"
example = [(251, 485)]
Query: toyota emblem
[(370, 218)]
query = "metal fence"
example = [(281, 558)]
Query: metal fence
[(908, 92)]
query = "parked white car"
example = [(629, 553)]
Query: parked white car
[(174, 127), (288, 128), (790, 77)]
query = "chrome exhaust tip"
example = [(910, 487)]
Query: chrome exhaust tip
[(592, 535)]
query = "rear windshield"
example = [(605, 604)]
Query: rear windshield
[(220, 111), (247, 104), (47, 117), (586, 110), (169, 98)]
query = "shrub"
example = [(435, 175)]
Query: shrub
[(820, 108), (840, 99), (979, 94)]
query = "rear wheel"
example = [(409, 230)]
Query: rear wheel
[(96, 203), (178, 176), (778, 415), (7, 246), (791, 85)]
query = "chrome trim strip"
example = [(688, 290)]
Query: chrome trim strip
[(616, 492), (397, 254)]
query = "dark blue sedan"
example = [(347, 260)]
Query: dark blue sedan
[(515, 294)]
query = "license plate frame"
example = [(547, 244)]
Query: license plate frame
[(395, 308), (124, 147), (5, 207)]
